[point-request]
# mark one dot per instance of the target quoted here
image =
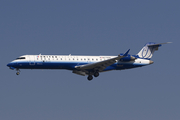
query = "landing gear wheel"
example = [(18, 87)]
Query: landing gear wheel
[(90, 77), (96, 74), (17, 73)]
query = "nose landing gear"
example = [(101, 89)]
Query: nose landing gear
[(18, 72)]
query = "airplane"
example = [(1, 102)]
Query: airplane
[(87, 65)]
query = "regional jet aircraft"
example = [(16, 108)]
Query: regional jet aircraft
[(86, 65)]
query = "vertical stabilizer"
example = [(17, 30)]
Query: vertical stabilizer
[(148, 50)]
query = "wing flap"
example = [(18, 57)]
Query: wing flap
[(79, 72)]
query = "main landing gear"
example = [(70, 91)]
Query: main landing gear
[(96, 74), (90, 77)]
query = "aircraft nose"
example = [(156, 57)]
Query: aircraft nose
[(9, 64), (151, 62)]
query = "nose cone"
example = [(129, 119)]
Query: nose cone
[(151, 62), (9, 64)]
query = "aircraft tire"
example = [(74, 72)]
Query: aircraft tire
[(96, 74), (17, 73), (90, 77)]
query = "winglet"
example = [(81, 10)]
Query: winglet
[(125, 54)]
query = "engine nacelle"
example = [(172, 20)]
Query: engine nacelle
[(127, 58)]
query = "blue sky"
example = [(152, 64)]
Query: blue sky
[(83, 27)]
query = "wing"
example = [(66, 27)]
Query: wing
[(100, 66)]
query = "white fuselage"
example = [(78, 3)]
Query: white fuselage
[(70, 62)]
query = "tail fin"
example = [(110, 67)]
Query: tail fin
[(148, 50)]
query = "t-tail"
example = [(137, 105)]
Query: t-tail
[(148, 50)]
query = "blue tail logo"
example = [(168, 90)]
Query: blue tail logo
[(148, 50)]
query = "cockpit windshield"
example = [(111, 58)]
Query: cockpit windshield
[(20, 58)]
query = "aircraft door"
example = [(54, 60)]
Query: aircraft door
[(31, 60)]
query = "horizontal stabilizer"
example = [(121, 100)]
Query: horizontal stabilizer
[(159, 44)]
